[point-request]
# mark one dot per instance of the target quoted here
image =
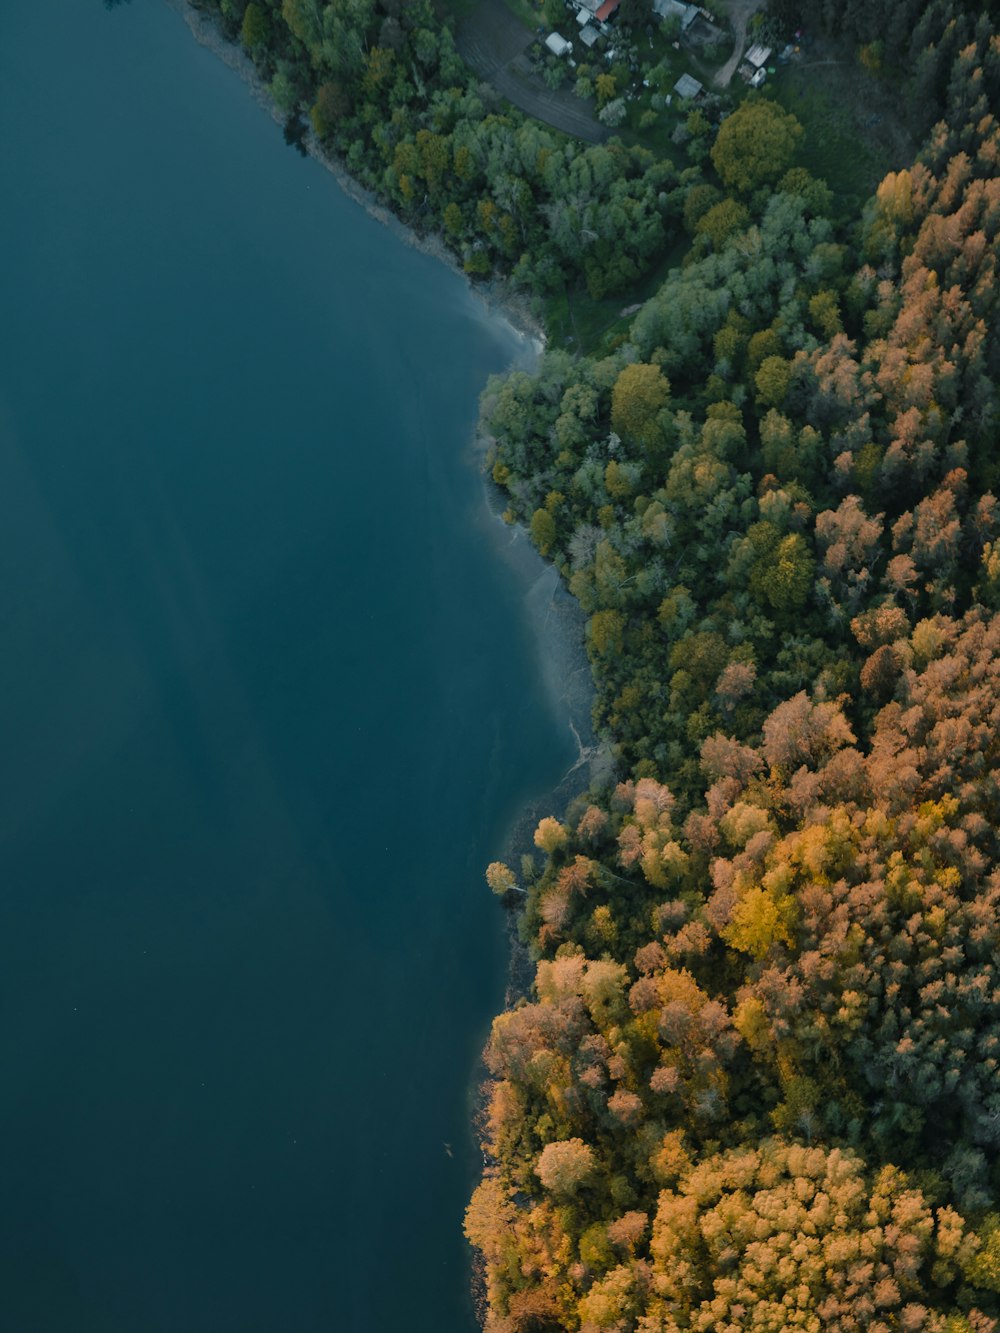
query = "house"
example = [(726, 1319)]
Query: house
[(688, 88), (589, 36), (753, 70), (666, 9), (606, 10), (558, 45)]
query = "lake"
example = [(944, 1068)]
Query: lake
[(268, 701)]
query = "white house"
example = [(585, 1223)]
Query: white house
[(558, 45)]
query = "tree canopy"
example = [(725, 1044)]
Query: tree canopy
[(755, 145)]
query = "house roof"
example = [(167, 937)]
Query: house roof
[(676, 9), (606, 10), (589, 36), (686, 86), (757, 55)]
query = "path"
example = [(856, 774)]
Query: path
[(493, 42), (740, 13)]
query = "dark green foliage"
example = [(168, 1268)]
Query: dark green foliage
[(382, 85)]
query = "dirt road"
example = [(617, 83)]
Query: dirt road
[(493, 43), (740, 13)]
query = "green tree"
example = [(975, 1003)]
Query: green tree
[(256, 26), (781, 574), (543, 530), (332, 104), (722, 221), (606, 631), (772, 380), (305, 18)]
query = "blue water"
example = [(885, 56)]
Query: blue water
[(267, 700)]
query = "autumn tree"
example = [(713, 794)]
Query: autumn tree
[(785, 1236), (564, 1167), (640, 393), (755, 145)]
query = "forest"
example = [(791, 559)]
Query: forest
[(756, 1082)]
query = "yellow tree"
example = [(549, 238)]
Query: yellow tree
[(755, 145), (640, 393)]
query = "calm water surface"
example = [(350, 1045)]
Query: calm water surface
[(267, 699)]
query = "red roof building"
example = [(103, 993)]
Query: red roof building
[(606, 10)]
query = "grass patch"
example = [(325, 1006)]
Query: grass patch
[(526, 13), (574, 319), (853, 135)]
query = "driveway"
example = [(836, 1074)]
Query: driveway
[(493, 42), (740, 13)]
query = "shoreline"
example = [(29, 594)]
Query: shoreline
[(556, 619), (496, 296)]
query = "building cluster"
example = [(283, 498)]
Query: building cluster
[(593, 18)]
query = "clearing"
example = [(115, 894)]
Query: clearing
[(493, 41)]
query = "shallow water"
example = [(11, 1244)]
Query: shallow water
[(267, 702)]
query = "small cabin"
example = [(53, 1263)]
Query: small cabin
[(753, 70), (688, 88)]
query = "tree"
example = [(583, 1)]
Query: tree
[(543, 530), (305, 18), (755, 145), (782, 1236), (550, 834), (606, 88), (256, 28), (332, 104), (563, 1167), (612, 113), (722, 221), (640, 393), (501, 879), (772, 381), (605, 633)]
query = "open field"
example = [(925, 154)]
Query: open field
[(854, 131)]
